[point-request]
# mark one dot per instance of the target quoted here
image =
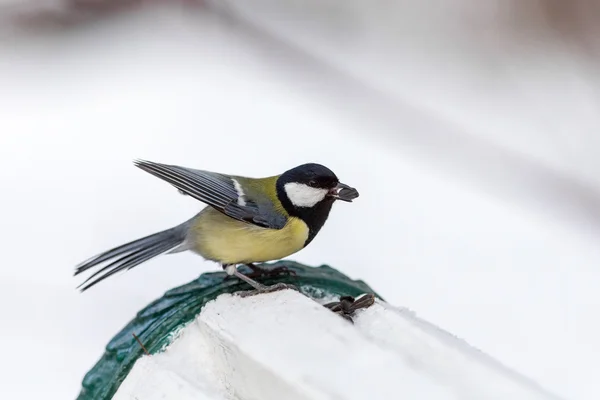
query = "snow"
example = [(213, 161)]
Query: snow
[(285, 344), (493, 260), (442, 66), (449, 360), (150, 380)]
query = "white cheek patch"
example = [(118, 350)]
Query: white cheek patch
[(240, 192), (302, 195)]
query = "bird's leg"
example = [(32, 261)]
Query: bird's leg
[(259, 288), (258, 272)]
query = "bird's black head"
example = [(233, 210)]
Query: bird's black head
[(308, 192)]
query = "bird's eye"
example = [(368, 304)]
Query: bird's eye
[(312, 183)]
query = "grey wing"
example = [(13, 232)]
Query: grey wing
[(216, 190)]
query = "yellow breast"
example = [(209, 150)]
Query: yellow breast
[(220, 238)]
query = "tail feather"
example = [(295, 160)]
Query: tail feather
[(131, 254)]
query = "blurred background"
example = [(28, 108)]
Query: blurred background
[(469, 128)]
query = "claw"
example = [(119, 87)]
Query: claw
[(267, 289), (258, 272)]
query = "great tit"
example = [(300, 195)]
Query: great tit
[(247, 220)]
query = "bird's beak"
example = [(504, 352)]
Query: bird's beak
[(343, 192)]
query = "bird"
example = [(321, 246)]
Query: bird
[(245, 220)]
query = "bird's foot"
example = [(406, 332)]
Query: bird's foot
[(267, 289), (347, 305), (258, 272), (259, 288)]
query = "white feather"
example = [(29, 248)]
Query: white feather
[(302, 195), (240, 192)]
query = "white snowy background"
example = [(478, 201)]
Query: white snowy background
[(470, 131)]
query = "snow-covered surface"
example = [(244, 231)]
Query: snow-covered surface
[(421, 73), (285, 345), (439, 60), (496, 267), (150, 380)]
